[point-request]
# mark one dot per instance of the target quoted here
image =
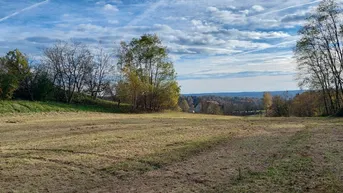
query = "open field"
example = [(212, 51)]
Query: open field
[(99, 152)]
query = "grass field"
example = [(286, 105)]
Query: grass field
[(174, 152)]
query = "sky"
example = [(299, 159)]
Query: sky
[(216, 45)]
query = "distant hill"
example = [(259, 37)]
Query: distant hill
[(291, 94)]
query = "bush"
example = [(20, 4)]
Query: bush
[(307, 104), (8, 84), (280, 107), (36, 87), (14, 68)]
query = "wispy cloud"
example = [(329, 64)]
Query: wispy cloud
[(291, 42), (23, 10), (286, 8), (147, 12)]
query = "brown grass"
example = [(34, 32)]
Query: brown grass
[(95, 152)]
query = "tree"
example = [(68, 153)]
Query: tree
[(307, 104), (68, 63), (36, 85), (147, 77), (183, 104), (131, 88), (280, 107), (228, 108), (190, 103), (319, 54), (14, 68), (267, 101), (211, 107), (98, 79)]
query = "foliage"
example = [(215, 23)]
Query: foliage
[(13, 69), (280, 107), (307, 104), (147, 78), (37, 86), (183, 104), (267, 101)]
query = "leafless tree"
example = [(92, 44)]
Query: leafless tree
[(69, 64), (101, 70), (319, 54)]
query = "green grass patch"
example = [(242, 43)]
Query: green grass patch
[(36, 107)]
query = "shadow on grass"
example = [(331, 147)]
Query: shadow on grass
[(178, 153)]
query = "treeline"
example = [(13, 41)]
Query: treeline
[(239, 106), (307, 104), (72, 72), (319, 55)]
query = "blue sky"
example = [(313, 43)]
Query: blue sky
[(216, 45)]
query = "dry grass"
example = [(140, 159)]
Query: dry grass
[(80, 152)]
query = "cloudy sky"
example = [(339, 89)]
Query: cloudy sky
[(216, 45)]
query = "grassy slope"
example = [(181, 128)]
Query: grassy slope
[(78, 152), (82, 150), (29, 107)]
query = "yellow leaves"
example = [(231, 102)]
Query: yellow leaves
[(148, 74)]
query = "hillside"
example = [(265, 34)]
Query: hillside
[(31, 107), (291, 93)]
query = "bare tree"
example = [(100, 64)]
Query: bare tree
[(99, 77), (69, 64), (319, 54)]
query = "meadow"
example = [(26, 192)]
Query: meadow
[(168, 152)]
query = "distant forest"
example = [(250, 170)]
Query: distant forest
[(291, 93), (303, 104)]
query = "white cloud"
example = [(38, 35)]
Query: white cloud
[(212, 9), (203, 26), (257, 8), (109, 7), (91, 28), (227, 17), (254, 35), (172, 18)]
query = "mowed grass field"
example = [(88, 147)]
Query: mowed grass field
[(171, 152)]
